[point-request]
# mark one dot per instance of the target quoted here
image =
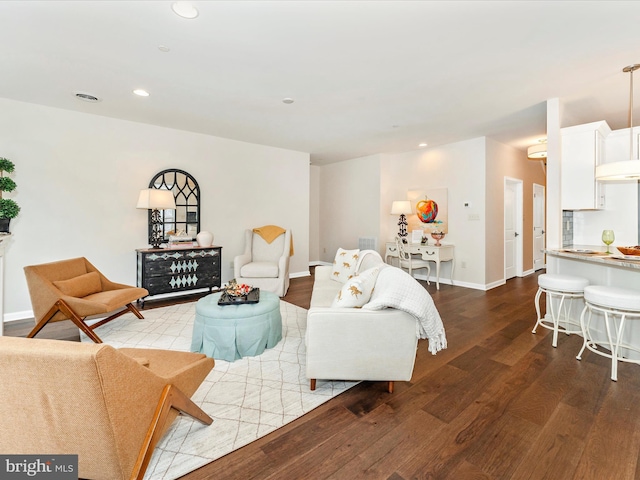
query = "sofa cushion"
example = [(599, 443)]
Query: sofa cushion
[(344, 264), (357, 290), (259, 270), (80, 286)]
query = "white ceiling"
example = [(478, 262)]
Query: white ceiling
[(367, 76)]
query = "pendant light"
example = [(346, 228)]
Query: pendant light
[(626, 169), (539, 151)]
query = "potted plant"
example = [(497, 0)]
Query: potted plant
[(8, 208)]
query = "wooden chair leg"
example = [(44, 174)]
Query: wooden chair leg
[(62, 306), (43, 321), (390, 387), (134, 310), (313, 384), (128, 308), (171, 397), (73, 316)]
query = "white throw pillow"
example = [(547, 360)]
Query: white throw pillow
[(344, 265), (357, 290)]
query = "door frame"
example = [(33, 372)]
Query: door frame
[(543, 188), (518, 185)]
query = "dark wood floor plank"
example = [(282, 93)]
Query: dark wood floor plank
[(502, 446), (555, 453), (614, 439), (541, 398), (382, 457)]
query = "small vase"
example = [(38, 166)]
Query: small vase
[(204, 239), (437, 236), (4, 225)]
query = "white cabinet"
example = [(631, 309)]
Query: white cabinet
[(583, 148)]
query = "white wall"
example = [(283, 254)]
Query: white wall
[(461, 168), (314, 214), (79, 175), (350, 204)]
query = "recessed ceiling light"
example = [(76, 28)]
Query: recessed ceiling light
[(287, 100), (185, 10), (140, 92), (163, 48), (422, 144), (87, 97)]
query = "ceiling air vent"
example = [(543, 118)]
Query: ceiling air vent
[(87, 97)]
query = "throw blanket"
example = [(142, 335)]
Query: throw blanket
[(395, 288), (270, 232)]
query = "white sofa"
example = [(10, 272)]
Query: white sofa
[(354, 343)]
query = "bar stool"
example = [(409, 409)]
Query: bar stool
[(616, 304), (559, 288)]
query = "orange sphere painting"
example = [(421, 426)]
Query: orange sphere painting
[(427, 210)]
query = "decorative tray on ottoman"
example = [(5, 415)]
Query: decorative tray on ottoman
[(239, 294)]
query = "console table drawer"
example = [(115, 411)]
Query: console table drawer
[(167, 271)]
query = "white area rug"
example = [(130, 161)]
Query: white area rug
[(247, 399)]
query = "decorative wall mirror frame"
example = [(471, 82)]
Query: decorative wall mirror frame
[(186, 216)]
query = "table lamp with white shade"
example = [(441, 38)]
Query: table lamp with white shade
[(155, 200), (402, 208)]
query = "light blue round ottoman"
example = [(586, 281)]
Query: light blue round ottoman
[(230, 332)]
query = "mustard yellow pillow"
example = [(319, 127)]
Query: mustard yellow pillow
[(80, 286)]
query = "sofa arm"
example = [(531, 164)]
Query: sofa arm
[(355, 344)]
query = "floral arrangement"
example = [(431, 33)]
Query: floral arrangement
[(236, 289)]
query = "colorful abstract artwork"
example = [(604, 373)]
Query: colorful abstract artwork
[(430, 208)]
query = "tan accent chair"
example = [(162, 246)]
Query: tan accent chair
[(109, 406), (74, 289)]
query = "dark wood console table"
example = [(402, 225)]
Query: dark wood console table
[(173, 270)]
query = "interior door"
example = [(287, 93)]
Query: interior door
[(539, 237), (512, 229)]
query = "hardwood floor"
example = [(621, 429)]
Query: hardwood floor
[(498, 403)]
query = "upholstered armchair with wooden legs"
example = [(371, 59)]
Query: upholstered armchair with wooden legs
[(74, 289), (109, 406)]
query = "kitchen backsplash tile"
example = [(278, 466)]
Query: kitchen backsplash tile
[(567, 228)]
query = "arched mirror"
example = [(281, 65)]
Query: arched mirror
[(186, 217)]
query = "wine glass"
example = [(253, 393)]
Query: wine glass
[(608, 237)]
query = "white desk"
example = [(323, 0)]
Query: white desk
[(443, 253)]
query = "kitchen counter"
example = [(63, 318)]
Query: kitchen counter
[(599, 268), (599, 255)]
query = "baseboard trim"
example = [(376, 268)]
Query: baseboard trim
[(300, 274), (15, 316), (318, 263)]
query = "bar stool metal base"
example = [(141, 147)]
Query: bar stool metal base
[(559, 288), (614, 321)]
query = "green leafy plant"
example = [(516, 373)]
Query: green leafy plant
[(8, 208)]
